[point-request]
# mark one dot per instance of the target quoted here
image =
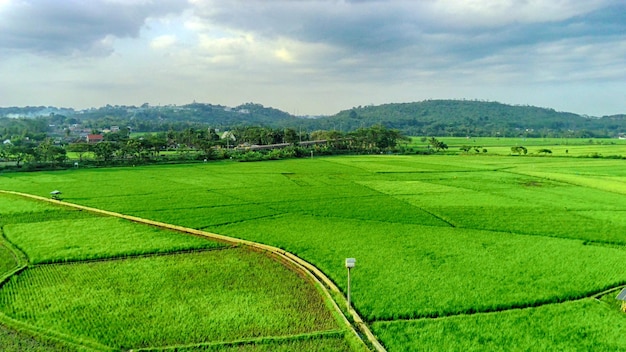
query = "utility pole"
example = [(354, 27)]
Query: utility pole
[(350, 262)]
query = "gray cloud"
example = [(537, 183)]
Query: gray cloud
[(358, 25), (376, 24), (63, 27), (421, 34), (325, 54)]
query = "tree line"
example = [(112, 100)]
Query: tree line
[(37, 151)]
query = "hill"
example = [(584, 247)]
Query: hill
[(163, 118), (426, 118), (478, 118)]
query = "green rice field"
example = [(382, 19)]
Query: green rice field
[(166, 300), (586, 325), (8, 261), (454, 252), (101, 283), (98, 237), (560, 147)]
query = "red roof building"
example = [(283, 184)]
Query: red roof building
[(94, 138)]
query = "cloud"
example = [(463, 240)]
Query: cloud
[(74, 26), (284, 55), (341, 51), (383, 44), (163, 42), (379, 24)]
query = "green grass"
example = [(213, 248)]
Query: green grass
[(586, 325), (166, 300), (203, 217), (48, 233)]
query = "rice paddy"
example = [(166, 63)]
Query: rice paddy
[(167, 300), (101, 283), (505, 249)]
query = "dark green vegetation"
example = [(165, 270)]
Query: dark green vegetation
[(49, 138), (101, 283), (24, 153), (146, 118), (430, 117), (479, 118), (434, 236)]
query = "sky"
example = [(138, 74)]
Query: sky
[(311, 57)]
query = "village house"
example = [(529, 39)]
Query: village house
[(94, 138)]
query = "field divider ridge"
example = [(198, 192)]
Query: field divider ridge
[(21, 261), (265, 339), (592, 295), (296, 262), (129, 256), (606, 292), (20, 257)]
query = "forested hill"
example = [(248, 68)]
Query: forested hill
[(163, 118), (478, 118), (146, 118), (426, 118)]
